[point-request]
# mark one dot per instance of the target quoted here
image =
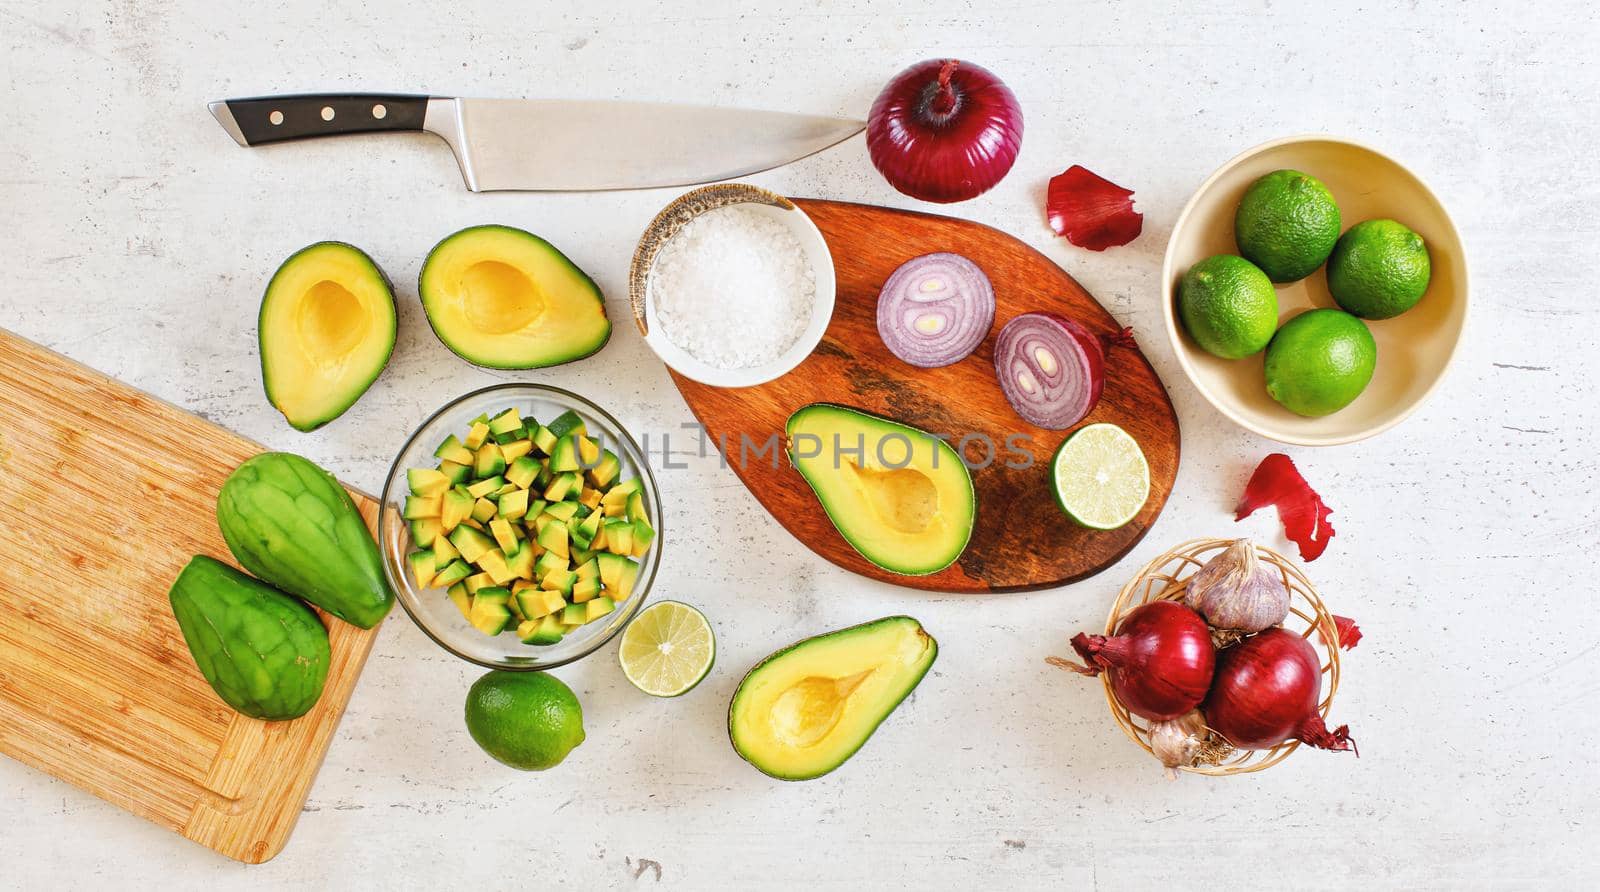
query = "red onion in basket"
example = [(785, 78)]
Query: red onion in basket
[(1051, 369), (935, 310)]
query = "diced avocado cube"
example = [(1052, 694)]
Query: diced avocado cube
[(502, 491), (581, 555), (477, 435), (509, 421), (619, 537), (544, 440), (566, 423), (477, 582), (469, 522), (516, 610), (443, 551), (643, 535), (544, 519), (483, 418), (462, 598), (536, 602), (456, 508), (518, 448), (573, 615), (522, 471), (493, 562), (597, 608), (563, 511), (504, 535), (490, 615), (485, 486), (422, 568), (483, 510), (547, 562), (506, 439), (619, 574), (563, 485), (580, 541), (589, 569), (545, 476), (559, 581), (590, 527), (585, 590), (424, 532), (589, 498), (454, 572), (471, 543), (456, 472), (513, 505), (636, 507), (536, 506), (605, 470), (452, 450), (521, 562), (618, 494), (422, 507), (489, 462), (426, 481), (546, 631), (564, 457), (553, 538), (588, 452)]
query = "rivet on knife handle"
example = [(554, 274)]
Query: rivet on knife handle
[(269, 119)]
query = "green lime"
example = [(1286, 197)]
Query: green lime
[(1320, 361), (1228, 306), (1379, 269), (1100, 477), (1286, 224), (528, 720), (667, 649)]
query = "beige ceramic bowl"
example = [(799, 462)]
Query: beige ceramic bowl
[(1414, 348)]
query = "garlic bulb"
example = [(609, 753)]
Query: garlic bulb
[(1179, 742), (1234, 590)]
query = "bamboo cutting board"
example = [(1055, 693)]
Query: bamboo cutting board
[(107, 492), (1022, 540)]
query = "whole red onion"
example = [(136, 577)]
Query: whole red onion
[(1266, 691), (1160, 661), (944, 130)]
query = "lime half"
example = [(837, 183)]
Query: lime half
[(1100, 477), (667, 649)]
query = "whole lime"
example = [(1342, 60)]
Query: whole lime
[(1320, 361), (1286, 224), (1228, 306), (527, 720), (1379, 269)]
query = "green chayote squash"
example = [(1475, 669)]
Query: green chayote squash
[(290, 523), (264, 653)]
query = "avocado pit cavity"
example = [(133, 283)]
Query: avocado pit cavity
[(499, 297)]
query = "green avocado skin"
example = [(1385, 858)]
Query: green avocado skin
[(291, 524), (264, 653)]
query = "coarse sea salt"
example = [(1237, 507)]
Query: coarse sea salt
[(733, 289)]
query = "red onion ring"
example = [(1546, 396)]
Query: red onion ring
[(1051, 369), (935, 310)]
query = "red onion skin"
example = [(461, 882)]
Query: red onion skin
[(1266, 691), (1094, 356), (944, 130), (1160, 661)]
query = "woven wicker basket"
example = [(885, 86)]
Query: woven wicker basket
[(1165, 579)]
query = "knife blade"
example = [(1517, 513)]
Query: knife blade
[(552, 145)]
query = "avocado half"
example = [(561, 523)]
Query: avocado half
[(900, 496), (504, 298), (808, 708), (326, 331)]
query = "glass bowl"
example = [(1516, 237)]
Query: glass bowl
[(433, 613)]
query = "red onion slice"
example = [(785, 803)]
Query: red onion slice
[(1051, 369), (935, 310)]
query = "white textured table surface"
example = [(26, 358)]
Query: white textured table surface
[(137, 238)]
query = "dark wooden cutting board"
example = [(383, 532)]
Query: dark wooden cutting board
[(1022, 540)]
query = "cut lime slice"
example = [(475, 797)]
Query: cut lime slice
[(667, 649), (1100, 477)]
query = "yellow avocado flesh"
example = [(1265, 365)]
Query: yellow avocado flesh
[(327, 328), (504, 298), (803, 711), (904, 500)]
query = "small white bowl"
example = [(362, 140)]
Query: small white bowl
[(1414, 348), (673, 218)]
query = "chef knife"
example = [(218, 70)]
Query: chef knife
[(550, 145)]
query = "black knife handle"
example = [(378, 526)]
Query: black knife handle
[(261, 120)]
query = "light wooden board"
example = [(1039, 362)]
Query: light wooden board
[(107, 492), (1021, 540)]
